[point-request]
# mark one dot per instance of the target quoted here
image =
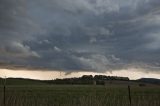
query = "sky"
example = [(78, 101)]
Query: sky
[(80, 36)]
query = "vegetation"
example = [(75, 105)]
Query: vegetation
[(79, 95), (39, 93)]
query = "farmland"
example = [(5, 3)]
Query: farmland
[(79, 95)]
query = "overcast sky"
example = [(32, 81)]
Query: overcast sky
[(86, 35)]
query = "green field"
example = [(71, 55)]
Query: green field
[(79, 95)]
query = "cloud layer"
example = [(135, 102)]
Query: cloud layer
[(88, 35)]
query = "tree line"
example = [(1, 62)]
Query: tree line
[(88, 80)]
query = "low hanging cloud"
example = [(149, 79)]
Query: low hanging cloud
[(86, 35)]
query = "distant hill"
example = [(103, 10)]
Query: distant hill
[(149, 80), (22, 81), (84, 80)]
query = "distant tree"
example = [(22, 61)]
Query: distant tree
[(87, 77)]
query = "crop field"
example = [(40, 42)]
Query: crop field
[(78, 95)]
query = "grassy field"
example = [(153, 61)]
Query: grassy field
[(79, 95)]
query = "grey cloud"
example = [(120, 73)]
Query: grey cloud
[(15, 27), (18, 49), (97, 62), (71, 35)]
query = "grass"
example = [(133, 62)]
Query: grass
[(79, 95)]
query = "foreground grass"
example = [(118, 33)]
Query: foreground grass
[(74, 95)]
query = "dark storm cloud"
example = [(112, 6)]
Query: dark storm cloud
[(95, 35), (15, 27)]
